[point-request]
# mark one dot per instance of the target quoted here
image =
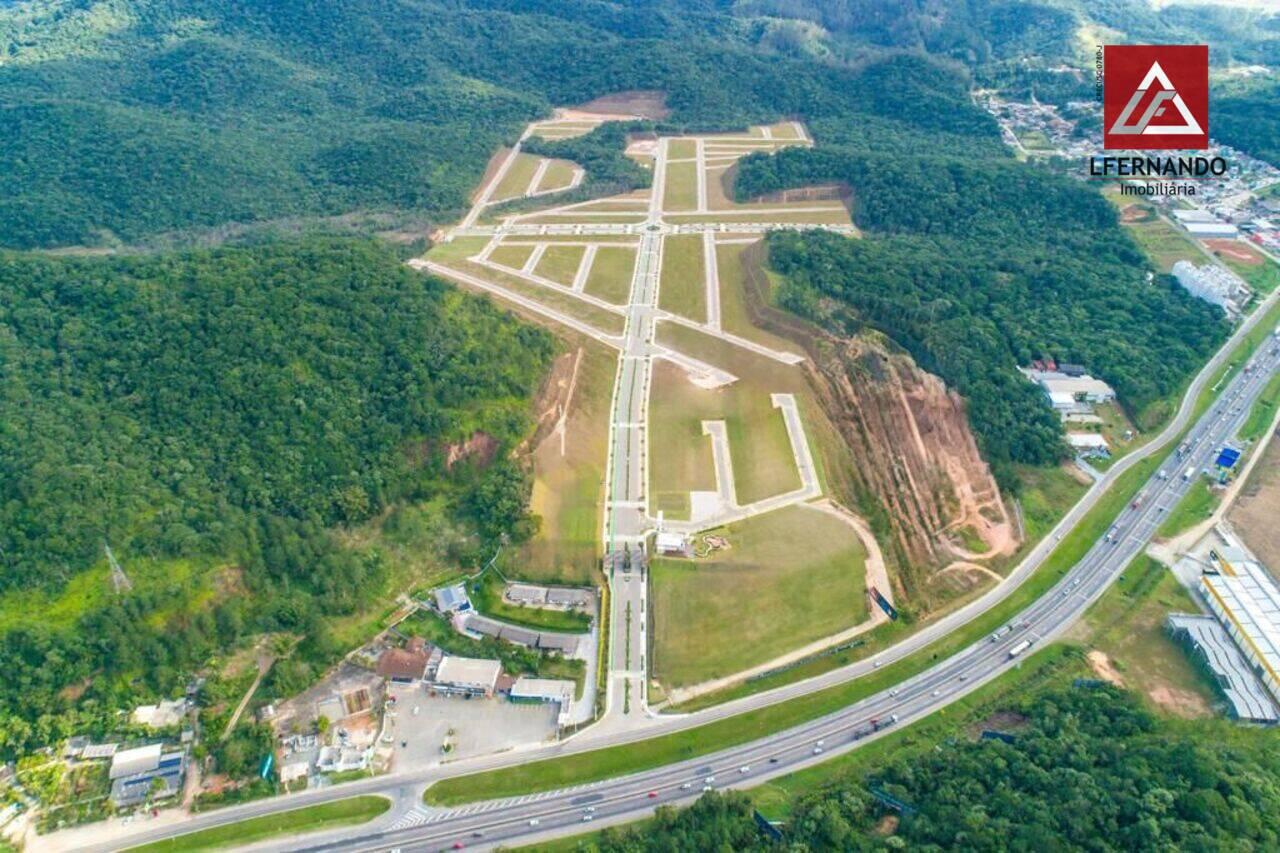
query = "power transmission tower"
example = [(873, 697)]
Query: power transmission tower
[(119, 580)]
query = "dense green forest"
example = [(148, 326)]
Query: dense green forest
[(233, 404), (976, 267), (1088, 769)]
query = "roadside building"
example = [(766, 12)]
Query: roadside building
[(338, 759), (1246, 600), (526, 594), (453, 599), (1071, 394), (473, 676), (564, 644), (1223, 230), (671, 544), (168, 712), (1088, 444), (134, 775), (1214, 284), (568, 597), (406, 665), (559, 691)]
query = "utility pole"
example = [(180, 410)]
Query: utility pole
[(119, 580)]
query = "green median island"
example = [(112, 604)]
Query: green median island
[(350, 812)]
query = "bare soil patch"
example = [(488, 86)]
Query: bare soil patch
[(1235, 251), (1181, 703), (1253, 515), (646, 103), (1101, 666), (1136, 213)]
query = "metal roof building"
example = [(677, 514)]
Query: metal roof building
[(555, 690), (472, 675), (451, 598), (1210, 643), (1246, 599)]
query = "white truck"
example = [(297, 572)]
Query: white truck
[(1189, 473), (1020, 648)]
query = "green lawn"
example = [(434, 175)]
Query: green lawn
[(1165, 244), (1127, 624), (310, 819), (558, 176), (679, 149), (1263, 412), (683, 289), (680, 191), (790, 577), (560, 263), (734, 317), (1194, 507), (568, 483), (515, 182), (1263, 277), (604, 763), (680, 452), (605, 321), (511, 256), (610, 276)]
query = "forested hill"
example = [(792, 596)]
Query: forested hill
[(126, 119), (1089, 769), (163, 403), (977, 267)]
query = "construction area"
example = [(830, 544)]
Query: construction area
[(673, 414)]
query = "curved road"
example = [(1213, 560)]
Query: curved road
[(626, 798)]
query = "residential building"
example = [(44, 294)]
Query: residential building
[(405, 665), (451, 599), (135, 773), (168, 712), (1212, 283)]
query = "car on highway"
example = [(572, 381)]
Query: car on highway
[(817, 750), (746, 768), (653, 795), (686, 786), (533, 821)]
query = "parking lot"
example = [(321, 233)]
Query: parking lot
[(471, 726)]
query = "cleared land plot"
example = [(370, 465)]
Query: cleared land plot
[(612, 206), (790, 577), (511, 256), (833, 215), (759, 445), (678, 149), (610, 276), (605, 321), (1254, 512), (680, 190), (568, 480), (458, 249), (570, 218), (683, 289), (734, 317), (558, 176), (309, 819), (1163, 243), (515, 183), (680, 455), (560, 263)]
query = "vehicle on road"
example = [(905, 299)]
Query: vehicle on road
[(1019, 648), (1189, 473), (746, 768), (533, 821)]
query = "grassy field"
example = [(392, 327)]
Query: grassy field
[(568, 482), (560, 263), (1164, 243), (610, 276), (605, 321), (1194, 507), (515, 182), (1263, 412), (733, 302), (310, 819), (603, 763), (558, 176), (683, 289), (1263, 277), (679, 149), (680, 452), (790, 577), (833, 216), (759, 447), (680, 191), (1127, 625), (511, 256)]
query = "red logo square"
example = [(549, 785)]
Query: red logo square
[(1155, 96)]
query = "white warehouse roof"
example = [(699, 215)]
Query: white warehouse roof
[(1247, 601), (469, 672)]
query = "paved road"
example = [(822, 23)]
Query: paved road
[(626, 798), (524, 819)]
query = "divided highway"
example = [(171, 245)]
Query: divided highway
[(525, 819)]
